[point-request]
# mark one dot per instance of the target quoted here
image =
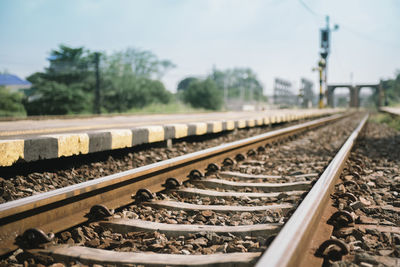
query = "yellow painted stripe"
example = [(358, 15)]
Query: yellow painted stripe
[(201, 128), (92, 127), (121, 138), (230, 125), (266, 120), (260, 121), (11, 151), (217, 126), (251, 123), (72, 144), (156, 133), (181, 130), (272, 119), (241, 123)]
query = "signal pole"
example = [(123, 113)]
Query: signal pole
[(96, 107), (320, 69), (323, 62)]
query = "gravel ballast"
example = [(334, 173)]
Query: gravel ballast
[(374, 174)]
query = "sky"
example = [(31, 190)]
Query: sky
[(275, 38)]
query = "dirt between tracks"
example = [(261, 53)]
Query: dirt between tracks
[(374, 174)]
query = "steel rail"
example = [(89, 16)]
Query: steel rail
[(63, 208), (291, 244)]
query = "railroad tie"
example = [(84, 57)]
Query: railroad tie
[(90, 256), (266, 187), (175, 205), (213, 193), (124, 226)]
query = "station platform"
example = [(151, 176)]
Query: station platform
[(31, 140)]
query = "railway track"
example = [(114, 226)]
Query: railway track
[(214, 207)]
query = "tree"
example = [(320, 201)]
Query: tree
[(11, 103), (238, 83), (153, 91), (130, 80), (203, 94), (58, 99), (138, 62), (184, 84), (66, 86), (392, 89), (127, 79), (69, 65)]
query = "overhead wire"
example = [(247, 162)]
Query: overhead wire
[(368, 37), (357, 33), (309, 9)]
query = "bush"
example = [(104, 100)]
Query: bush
[(133, 92), (184, 84), (11, 103), (153, 91), (52, 98), (203, 94)]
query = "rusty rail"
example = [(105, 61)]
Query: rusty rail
[(292, 242), (63, 208)]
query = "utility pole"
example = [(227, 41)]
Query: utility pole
[(323, 62), (225, 92), (96, 106), (251, 93)]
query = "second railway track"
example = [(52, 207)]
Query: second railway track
[(223, 205)]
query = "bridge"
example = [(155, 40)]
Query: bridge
[(354, 93)]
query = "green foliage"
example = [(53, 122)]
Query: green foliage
[(203, 94), (58, 99), (239, 81), (342, 102), (70, 65), (184, 84), (392, 89), (11, 103), (66, 86), (391, 121), (134, 92), (137, 62), (127, 80)]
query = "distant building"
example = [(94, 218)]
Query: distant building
[(306, 93), (13, 82), (283, 95)]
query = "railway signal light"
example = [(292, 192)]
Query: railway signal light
[(324, 53)]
